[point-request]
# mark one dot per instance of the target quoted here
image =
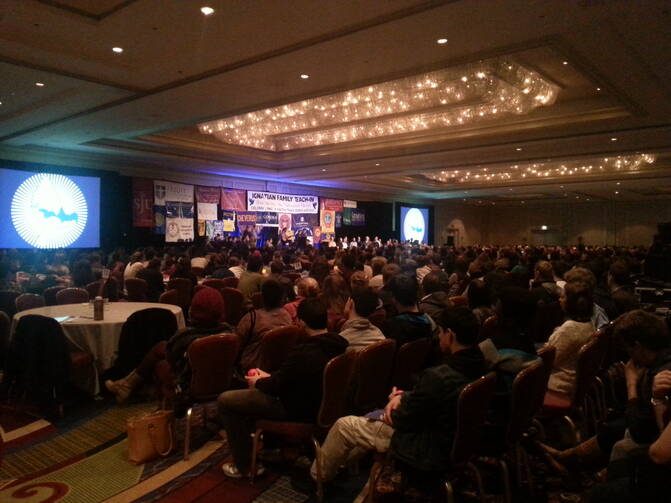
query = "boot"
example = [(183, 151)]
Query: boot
[(586, 453), (122, 388)]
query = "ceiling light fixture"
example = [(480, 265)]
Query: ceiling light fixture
[(613, 139), (519, 149), (598, 89), (207, 11), (304, 76), (564, 62), (118, 50), (39, 84), (377, 163), (323, 170), (440, 99), (441, 41)]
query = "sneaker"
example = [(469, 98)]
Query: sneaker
[(231, 471)]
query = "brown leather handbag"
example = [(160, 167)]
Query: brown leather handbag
[(151, 436)]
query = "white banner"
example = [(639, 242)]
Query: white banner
[(349, 204), (170, 191), (281, 203), (178, 229), (207, 211)]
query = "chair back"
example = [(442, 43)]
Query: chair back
[(276, 345), (233, 300), (5, 323), (136, 290), (217, 284), (372, 375), (378, 318), (459, 301), (212, 359), (94, 289), (547, 355), (590, 361), (257, 300), (169, 297), (527, 397), (472, 409), (411, 358), (50, 294), (72, 296), (337, 376), (29, 301), (231, 282), (489, 328), (198, 288), (8, 302), (182, 285)]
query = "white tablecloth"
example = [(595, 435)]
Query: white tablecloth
[(100, 338)]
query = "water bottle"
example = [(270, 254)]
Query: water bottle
[(98, 312)]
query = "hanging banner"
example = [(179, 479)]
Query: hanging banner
[(349, 204), (178, 221), (338, 220), (281, 203), (143, 199), (328, 221), (304, 223), (210, 195), (347, 217), (266, 218), (330, 204), (207, 211), (233, 199), (201, 228), (358, 217), (159, 219), (246, 220), (170, 191), (228, 221)]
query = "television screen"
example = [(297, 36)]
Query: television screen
[(48, 210), (414, 224)]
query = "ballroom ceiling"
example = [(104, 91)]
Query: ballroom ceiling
[(137, 108)]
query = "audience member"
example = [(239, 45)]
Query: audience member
[(358, 330)]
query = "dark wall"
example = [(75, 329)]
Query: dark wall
[(379, 219)]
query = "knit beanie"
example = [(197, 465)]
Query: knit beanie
[(207, 308)]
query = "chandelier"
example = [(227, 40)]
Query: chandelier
[(440, 99), (521, 172)]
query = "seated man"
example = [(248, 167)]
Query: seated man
[(409, 324), (358, 330), (417, 426), (292, 393), (435, 286)]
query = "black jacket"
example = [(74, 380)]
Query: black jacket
[(408, 327), (425, 421), (298, 382)]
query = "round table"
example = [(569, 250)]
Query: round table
[(100, 338)]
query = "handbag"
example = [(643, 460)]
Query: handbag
[(150, 436)]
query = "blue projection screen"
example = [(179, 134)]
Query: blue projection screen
[(414, 224), (47, 210)]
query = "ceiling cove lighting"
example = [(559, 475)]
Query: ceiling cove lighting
[(440, 99), (549, 170)]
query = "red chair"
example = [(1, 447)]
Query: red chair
[(211, 359), (233, 300), (50, 294), (489, 328), (231, 282), (8, 301), (169, 297), (411, 358), (378, 318), (459, 301), (217, 284), (94, 289), (276, 345), (198, 272), (29, 301), (372, 375), (72, 296), (184, 288), (583, 403), (337, 376), (136, 290)]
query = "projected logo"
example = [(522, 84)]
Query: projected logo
[(49, 211), (414, 225)]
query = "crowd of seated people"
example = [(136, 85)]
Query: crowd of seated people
[(478, 306)]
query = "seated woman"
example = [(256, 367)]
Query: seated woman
[(256, 323), (578, 329), (335, 293), (207, 310)]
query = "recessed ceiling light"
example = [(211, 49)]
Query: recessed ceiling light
[(598, 89), (618, 183), (613, 139), (441, 41), (617, 191), (304, 76), (519, 149), (118, 50), (39, 84), (377, 163), (208, 11), (323, 170), (564, 62)]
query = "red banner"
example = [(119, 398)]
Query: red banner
[(330, 204), (143, 200), (208, 195), (233, 199)]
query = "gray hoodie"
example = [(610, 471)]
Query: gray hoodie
[(360, 332)]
